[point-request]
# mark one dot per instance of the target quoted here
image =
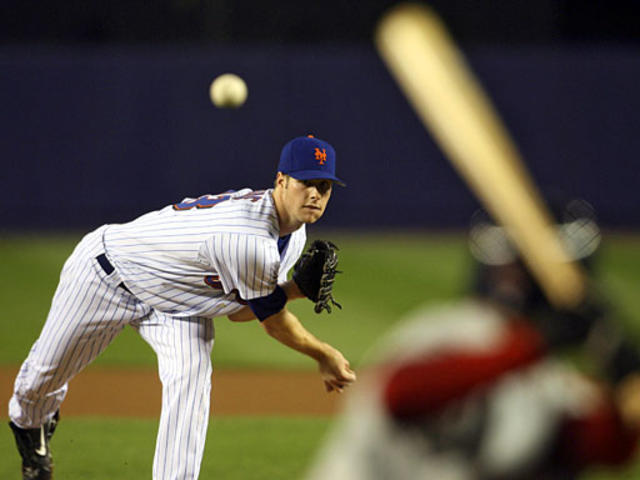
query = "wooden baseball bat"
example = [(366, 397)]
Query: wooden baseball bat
[(433, 74)]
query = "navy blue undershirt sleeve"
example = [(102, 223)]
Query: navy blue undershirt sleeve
[(264, 307)]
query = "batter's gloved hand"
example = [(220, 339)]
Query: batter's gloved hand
[(314, 274), (569, 327)]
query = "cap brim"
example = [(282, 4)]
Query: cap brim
[(316, 175)]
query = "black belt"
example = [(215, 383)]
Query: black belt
[(108, 268)]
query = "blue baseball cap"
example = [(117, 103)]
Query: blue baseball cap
[(309, 158)]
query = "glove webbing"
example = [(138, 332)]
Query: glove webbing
[(326, 284)]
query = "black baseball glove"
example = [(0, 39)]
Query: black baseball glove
[(315, 272)]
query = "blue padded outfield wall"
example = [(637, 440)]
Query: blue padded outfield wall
[(96, 135)]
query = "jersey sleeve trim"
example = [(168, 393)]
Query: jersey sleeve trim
[(264, 307)]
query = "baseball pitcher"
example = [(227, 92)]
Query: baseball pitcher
[(167, 274)]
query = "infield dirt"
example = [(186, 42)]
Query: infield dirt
[(137, 393)]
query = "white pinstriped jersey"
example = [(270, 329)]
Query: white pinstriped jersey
[(206, 256)]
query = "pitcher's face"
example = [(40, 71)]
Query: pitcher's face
[(305, 200)]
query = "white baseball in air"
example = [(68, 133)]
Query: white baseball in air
[(228, 91)]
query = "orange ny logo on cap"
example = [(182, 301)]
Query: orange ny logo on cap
[(321, 156)]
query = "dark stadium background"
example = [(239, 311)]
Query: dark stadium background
[(105, 112)]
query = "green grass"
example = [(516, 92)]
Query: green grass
[(385, 276), (238, 448)]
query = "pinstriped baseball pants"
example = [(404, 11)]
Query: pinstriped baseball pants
[(88, 311)]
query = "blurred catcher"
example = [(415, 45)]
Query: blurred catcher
[(168, 274), (478, 390)]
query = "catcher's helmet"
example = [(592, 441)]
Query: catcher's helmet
[(499, 260)]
